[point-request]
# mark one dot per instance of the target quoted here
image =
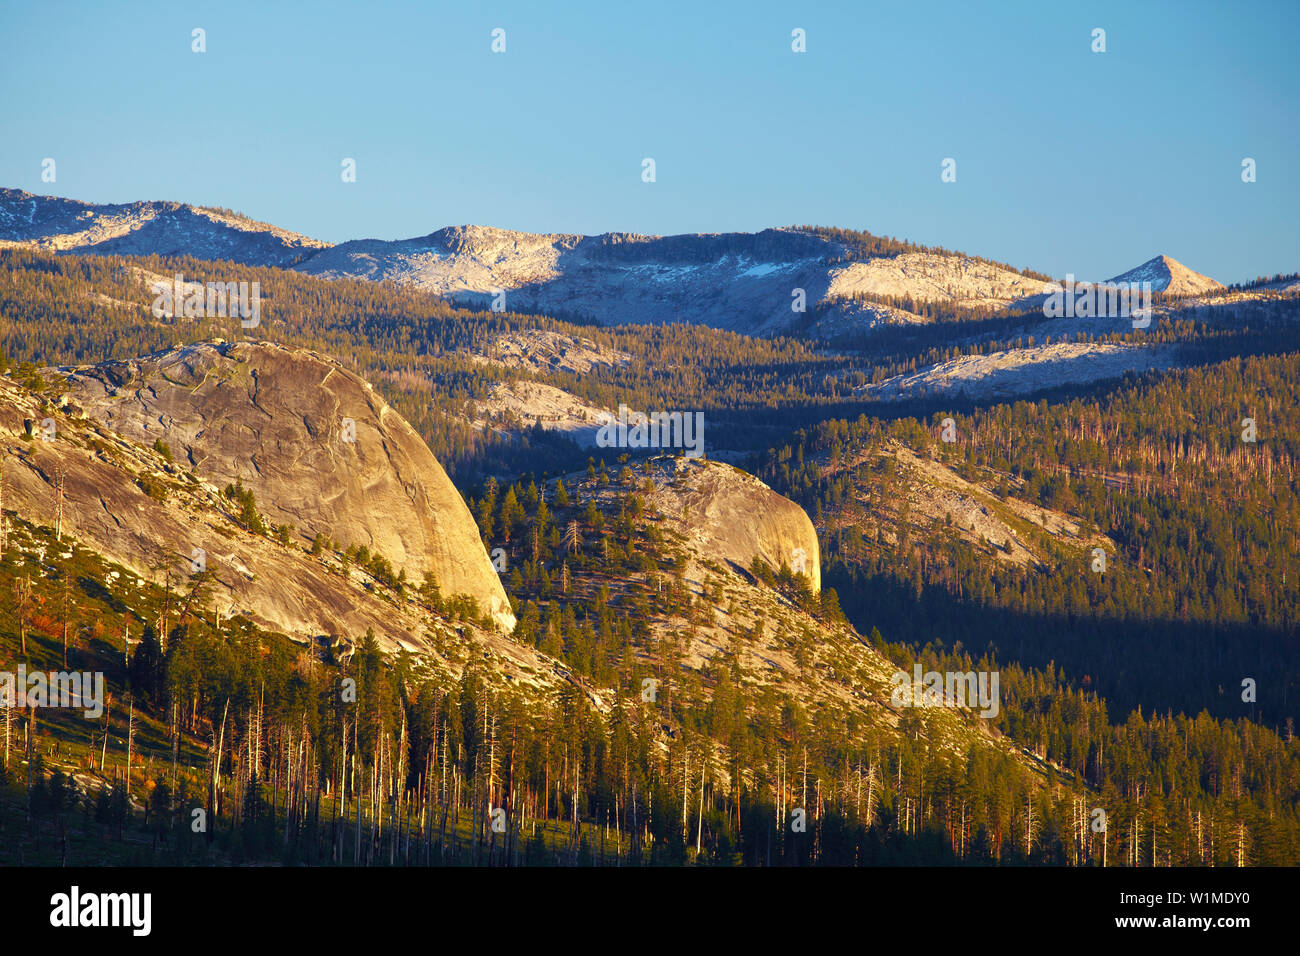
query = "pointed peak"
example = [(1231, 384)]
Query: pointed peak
[(1166, 274)]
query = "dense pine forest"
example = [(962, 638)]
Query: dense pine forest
[(1121, 691), (261, 735), (1168, 771), (1208, 594)]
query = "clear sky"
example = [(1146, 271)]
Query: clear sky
[(1067, 160)]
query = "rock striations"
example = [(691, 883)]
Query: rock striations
[(726, 514), (320, 450)]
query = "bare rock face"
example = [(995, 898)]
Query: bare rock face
[(730, 515), (927, 276), (320, 450), (1169, 276), (735, 281)]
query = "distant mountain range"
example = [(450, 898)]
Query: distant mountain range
[(146, 228), (746, 282)]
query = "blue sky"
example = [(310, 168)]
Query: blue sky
[(1067, 160)]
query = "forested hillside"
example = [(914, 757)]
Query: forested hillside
[(1198, 596), (1121, 689), (1208, 594), (72, 309)]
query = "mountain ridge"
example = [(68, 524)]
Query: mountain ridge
[(758, 283)]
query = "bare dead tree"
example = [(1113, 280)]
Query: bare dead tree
[(130, 743), (23, 593), (60, 480), (3, 537)]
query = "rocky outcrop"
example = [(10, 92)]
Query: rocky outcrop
[(320, 450), (728, 515), (932, 277), (1009, 373)]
